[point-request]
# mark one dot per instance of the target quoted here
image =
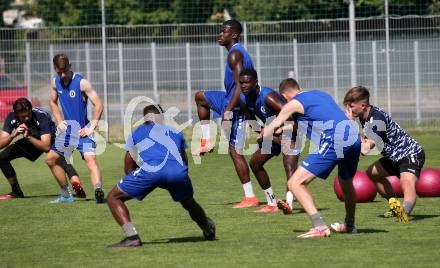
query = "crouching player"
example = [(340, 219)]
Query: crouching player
[(164, 164), (338, 143), (264, 103), (402, 155)]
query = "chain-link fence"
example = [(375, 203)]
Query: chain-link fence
[(168, 63)]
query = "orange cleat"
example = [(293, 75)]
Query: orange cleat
[(248, 202), (205, 147), (79, 190), (284, 207), (268, 209)]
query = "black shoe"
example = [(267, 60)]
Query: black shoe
[(17, 194), (209, 231), (132, 241), (99, 196)]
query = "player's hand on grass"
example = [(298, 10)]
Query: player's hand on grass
[(86, 131)]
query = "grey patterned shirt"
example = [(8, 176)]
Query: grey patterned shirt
[(390, 139)]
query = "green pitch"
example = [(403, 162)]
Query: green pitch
[(36, 234)]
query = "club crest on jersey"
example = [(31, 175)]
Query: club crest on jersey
[(263, 110), (72, 93)]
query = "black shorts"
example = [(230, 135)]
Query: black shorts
[(22, 148), (412, 164)]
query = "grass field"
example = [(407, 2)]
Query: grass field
[(36, 234)]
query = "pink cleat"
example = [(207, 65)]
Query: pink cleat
[(248, 202), (316, 232), (268, 209), (205, 147)]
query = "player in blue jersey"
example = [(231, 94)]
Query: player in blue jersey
[(226, 105), (162, 163), (264, 104), (402, 155), (338, 143), (75, 131)]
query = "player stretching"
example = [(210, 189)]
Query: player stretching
[(264, 103), (338, 144), (226, 104), (76, 132), (164, 164), (402, 155)]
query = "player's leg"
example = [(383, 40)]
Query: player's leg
[(95, 176), (72, 174), (377, 173), (116, 202), (206, 101), (198, 215), (290, 163), (410, 168), (60, 176), (242, 169), (257, 165)]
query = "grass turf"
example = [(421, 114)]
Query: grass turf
[(36, 234)]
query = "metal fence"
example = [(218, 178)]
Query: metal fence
[(169, 63)]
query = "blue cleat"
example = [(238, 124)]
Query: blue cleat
[(63, 199)]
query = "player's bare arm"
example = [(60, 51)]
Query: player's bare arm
[(42, 144), (235, 60), (88, 89), (53, 103), (292, 107)]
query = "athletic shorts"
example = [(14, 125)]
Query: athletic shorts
[(322, 165), (66, 144), (173, 177), (21, 148), (218, 102), (412, 164)]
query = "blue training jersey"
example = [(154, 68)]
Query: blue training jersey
[(73, 102), (157, 144), (324, 123), (229, 75), (259, 107)]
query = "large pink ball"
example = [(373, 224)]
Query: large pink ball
[(428, 184), (364, 187), (395, 183)]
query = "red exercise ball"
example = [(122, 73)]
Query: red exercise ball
[(364, 187), (428, 184), (395, 184)]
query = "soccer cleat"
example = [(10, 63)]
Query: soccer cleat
[(315, 232), (132, 241), (205, 147), (268, 209), (342, 228), (99, 196), (63, 199), (12, 195), (248, 202), (209, 231), (79, 190), (284, 207), (397, 209)]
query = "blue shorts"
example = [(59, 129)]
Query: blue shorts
[(218, 102), (66, 144), (174, 178), (322, 165)]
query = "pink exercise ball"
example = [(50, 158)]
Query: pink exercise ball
[(364, 187), (428, 184), (395, 184)]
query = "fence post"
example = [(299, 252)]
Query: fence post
[(222, 64), (28, 70), (335, 72), (417, 81), (295, 59), (245, 35), (89, 77), (257, 52), (373, 52), (188, 82), (51, 55), (121, 82), (154, 69)]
